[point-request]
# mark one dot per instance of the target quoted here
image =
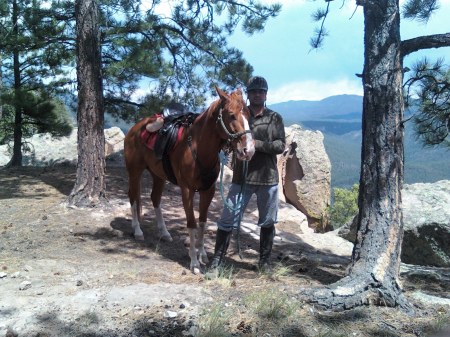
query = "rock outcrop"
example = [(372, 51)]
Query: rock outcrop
[(426, 218), (305, 171), (45, 150)]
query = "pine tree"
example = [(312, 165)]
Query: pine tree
[(89, 188), (32, 58), (374, 270)]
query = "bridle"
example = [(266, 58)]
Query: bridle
[(231, 136)]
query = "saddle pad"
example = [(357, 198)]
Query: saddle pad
[(149, 138)]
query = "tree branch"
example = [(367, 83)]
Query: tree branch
[(425, 42), (115, 101)]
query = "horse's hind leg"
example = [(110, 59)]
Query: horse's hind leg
[(157, 189), (134, 194)]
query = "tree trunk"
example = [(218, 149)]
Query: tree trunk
[(373, 276), (89, 189), (1, 86), (16, 159)]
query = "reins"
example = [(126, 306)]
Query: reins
[(231, 136), (238, 207)]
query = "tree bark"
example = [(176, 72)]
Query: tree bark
[(373, 274), (1, 86), (16, 159), (425, 42), (89, 189)]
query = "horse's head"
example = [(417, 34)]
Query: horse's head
[(233, 123)]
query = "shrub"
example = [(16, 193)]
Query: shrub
[(345, 206)]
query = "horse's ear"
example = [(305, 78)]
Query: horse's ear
[(222, 94)]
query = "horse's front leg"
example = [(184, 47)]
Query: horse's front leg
[(205, 200), (188, 204)]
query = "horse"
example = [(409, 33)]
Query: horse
[(224, 124)]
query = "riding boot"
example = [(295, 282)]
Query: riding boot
[(267, 235), (220, 249)]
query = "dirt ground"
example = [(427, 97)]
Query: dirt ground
[(79, 272)]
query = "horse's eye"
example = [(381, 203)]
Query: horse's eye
[(232, 117)]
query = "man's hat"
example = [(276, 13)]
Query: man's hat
[(257, 83)]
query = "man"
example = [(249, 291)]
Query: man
[(261, 177)]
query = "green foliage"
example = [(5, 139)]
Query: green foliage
[(39, 114), (177, 56), (6, 124), (431, 83), (320, 32), (345, 206), (35, 55), (422, 164), (419, 9)]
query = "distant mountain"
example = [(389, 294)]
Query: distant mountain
[(339, 119), (333, 127), (334, 107)]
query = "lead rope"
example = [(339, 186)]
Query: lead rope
[(238, 206)]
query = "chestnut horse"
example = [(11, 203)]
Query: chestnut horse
[(224, 123)]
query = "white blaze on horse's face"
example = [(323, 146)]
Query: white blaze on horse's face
[(247, 150), (233, 118)]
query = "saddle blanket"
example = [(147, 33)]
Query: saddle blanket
[(149, 138)]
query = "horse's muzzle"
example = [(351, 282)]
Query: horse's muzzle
[(246, 153)]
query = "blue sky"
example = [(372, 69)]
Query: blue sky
[(282, 53)]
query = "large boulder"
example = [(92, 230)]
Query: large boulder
[(45, 150), (305, 175), (114, 137), (426, 219)]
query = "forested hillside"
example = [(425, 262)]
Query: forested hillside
[(339, 119)]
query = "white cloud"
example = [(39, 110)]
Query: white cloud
[(163, 9), (313, 90)]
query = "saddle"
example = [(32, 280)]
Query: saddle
[(164, 140)]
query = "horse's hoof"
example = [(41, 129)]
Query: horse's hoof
[(139, 237), (196, 271), (166, 238)]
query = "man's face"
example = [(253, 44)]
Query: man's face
[(257, 97)]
